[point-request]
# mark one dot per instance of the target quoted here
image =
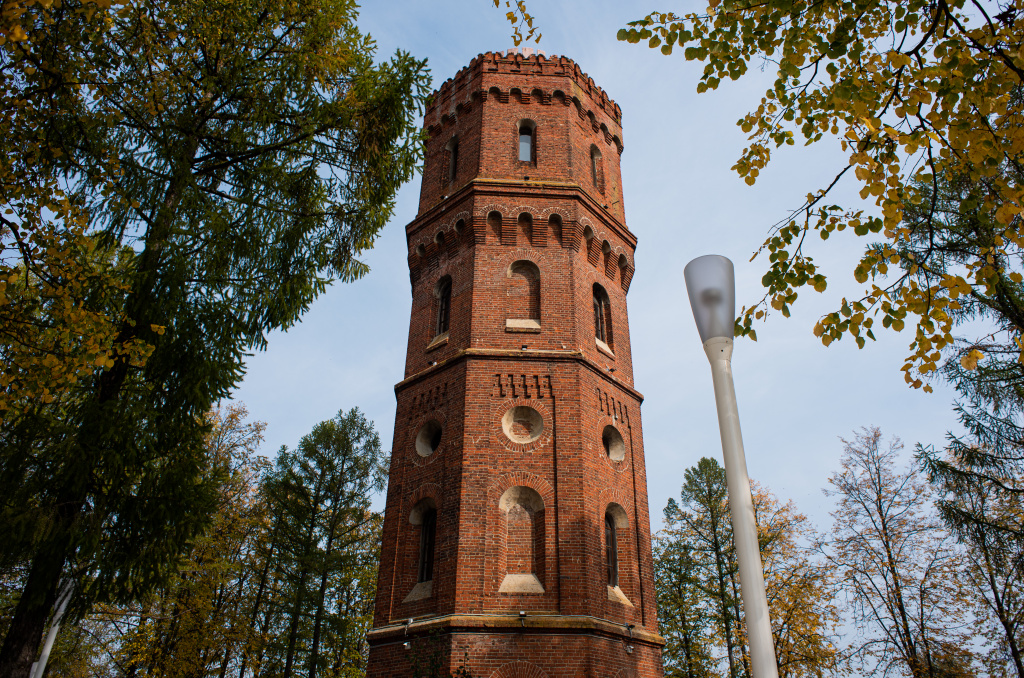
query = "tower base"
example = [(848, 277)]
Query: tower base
[(498, 646)]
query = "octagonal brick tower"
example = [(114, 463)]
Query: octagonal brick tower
[(516, 529)]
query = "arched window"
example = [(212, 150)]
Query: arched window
[(423, 517), (611, 547), (523, 514), (523, 296), (443, 294), (453, 160), (428, 533), (602, 317), (596, 170), (615, 522), (527, 141)]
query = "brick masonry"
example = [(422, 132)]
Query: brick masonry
[(530, 503)]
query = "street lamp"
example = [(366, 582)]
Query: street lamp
[(711, 286)]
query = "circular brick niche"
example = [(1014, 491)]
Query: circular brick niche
[(522, 424), (429, 438), (614, 445)]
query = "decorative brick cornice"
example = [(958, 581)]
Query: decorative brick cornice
[(532, 623), (527, 355)]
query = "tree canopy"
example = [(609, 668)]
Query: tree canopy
[(916, 92), (179, 179)]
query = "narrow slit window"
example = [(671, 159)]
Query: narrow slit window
[(602, 315), (596, 169), (525, 145), (527, 141), (611, 542), (444, 306), (453, 160), (428, 531)]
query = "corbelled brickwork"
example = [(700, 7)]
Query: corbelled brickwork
[(518, 426)]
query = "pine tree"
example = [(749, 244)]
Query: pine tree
[(322, 490)]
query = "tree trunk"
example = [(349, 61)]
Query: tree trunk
[(293, 631), (998, 603), (33, 609), (903, 630), (336, 515), (736, 611), (314, 652), (261, 589), (724, 601)]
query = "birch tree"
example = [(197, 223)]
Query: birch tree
[(897, 565)]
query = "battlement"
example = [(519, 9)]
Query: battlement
[(522, 61)]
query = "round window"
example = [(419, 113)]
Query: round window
[(428, 439), (614, 445), (522, 424)]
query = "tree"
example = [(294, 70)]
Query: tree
[(988, 375), (800, 590), (989, 523), (897, 565), (698, 586), (235, 606), (57, 324), (684, 618), (196, 621), (245, 153), (917, 92), (704, 513), (329, 540)]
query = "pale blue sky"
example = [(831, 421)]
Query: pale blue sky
[(795, 396)]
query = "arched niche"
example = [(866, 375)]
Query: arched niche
[(522, 296), (451, 168), (422, 538), (494, 226), (522, 512), (555, 228), (442, 305), (524, 228), (596, 168)]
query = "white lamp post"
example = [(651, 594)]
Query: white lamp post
[(711, 286)]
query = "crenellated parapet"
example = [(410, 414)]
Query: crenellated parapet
[(471, 85)]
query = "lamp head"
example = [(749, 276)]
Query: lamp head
[(711, 286)]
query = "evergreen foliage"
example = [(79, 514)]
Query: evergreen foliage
[(238, 156)]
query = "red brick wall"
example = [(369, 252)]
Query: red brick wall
[(573, 232)]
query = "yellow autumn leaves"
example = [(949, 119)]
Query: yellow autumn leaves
[(59, 292), (915, 93)]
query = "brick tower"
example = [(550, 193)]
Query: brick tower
[(516, 530)]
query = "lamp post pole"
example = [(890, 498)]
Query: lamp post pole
[(711, 287)]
